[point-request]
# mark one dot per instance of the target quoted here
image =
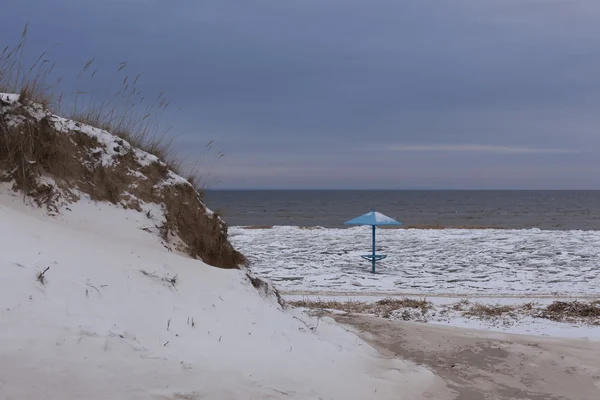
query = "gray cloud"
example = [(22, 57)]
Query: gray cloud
[(298, 94), (477, 148)]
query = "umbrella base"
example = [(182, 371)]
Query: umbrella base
[(374, 257)]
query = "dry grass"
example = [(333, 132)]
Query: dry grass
[(421, 310), (120, 107), (169, 281), (35, 149), (561, 311), (205, 235), (263, 287), (485, 311), (125, 111), (491, 311), (382, 308), (347, 306), (41, 276), (461, 305), (31, 82), (31, 150), (200, 175)]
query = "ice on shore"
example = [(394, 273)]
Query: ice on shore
[(453, 261)]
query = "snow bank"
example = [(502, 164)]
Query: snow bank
[(120, 317)]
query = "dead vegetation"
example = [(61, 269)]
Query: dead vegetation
[(169, 281), (41, 276), (408, 309), (54, 167), (265, 288), (205, 234), (32, 83), (559, 311), (115, 103), (484, 311), (383, 308), (569, 311), (53, 164)]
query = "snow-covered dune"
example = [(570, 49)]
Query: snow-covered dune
[(56, 161), (118, 316)]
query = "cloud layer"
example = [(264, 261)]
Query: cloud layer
[(478, 148), (298, 93)]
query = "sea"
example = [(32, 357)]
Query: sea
[(548, 210)]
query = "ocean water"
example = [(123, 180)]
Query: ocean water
[(555, 210), (550, 245)]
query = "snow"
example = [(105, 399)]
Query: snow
[(107, 323), (373, 218), (111, 146), (384, 219), (171, 179), (450, 261), (110, 149), (9, 97), (443, 314), (526, 326)]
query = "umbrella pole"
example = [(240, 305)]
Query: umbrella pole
[(373, 260)]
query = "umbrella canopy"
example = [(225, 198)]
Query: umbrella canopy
[(373, 218)]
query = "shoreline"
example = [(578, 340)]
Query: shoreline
[(376, 295), (420, 227)]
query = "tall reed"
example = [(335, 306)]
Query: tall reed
[(120, 107)]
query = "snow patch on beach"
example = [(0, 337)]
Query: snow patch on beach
[(450, 311), (453, 261)]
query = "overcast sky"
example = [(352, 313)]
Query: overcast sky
[(467, 94)]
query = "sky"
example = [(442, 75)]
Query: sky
[(332, 94)]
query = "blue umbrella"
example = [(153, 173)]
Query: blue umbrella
[(374, 219)]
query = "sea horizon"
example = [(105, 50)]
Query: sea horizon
[(395, 190), (508, 209)]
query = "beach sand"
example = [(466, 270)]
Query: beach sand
[(488, 365)]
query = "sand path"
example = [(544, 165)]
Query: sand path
[(482, 365)]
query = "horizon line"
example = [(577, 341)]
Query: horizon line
[(402, 189)]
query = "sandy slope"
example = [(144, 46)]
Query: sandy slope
[(99, 328), (480, 365)]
